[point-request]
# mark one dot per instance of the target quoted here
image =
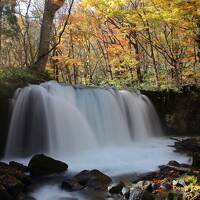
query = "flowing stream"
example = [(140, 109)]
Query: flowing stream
[(117, 132)]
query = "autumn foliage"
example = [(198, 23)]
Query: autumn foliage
[(126, 43)]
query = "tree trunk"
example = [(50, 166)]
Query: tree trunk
[(1, 14), (51, 6), (55, 65), (198, 44), (135, 44), (198, 39), (153, 56), (176, 70)]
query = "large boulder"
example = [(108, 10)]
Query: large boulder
[(94, 179), (41, 165)]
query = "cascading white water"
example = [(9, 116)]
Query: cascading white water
[(59, 119), (88, 128)]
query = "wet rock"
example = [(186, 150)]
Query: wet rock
[(18, 166), (41, 165), (6, 169), (94, 179), (125, 192), (115, 188), (12, 185), (71, 185), (138, 194), (174, 163)]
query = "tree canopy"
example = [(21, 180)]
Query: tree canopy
[(125, 43)]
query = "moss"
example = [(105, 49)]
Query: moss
[(24, 76)]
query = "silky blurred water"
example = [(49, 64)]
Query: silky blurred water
[(116, 132), (65, 120)]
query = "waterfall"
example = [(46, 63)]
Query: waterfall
[(59, 119)]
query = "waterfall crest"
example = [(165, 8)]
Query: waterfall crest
[(58, 119)]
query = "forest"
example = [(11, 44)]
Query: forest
[(153, 44), (99, 99)]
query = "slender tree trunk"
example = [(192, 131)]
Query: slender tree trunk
[(137, 55), (51, 6), (176, 73), (153, 56), (75, 72), (68, 75), (55, 65)]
